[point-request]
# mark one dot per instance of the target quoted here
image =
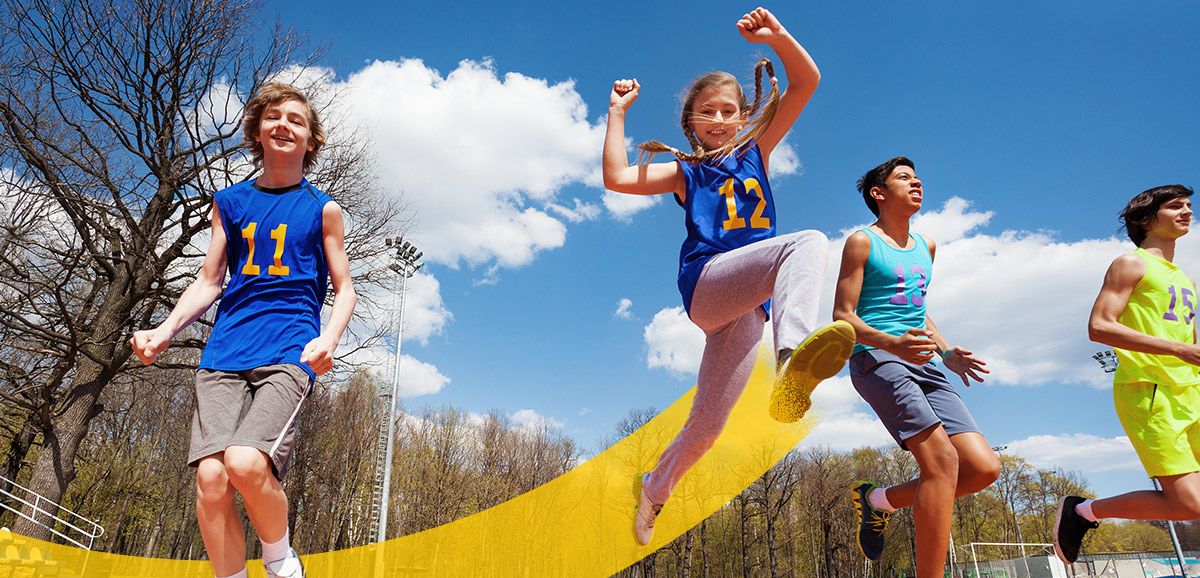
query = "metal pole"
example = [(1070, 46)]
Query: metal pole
[(405, 269), (1174, 539)]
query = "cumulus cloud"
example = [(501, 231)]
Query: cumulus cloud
[(846, 421), (529, 419), (987, 290), (623, 206), (1082, 452), (419, 378), (623, 309), (484, 155), (784, 160), (674, 343), (425, 315)]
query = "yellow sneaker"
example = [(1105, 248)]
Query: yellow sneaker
[(820, 357)]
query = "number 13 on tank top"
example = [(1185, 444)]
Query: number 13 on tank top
[(757, 221), (278, 234), (918, 297)]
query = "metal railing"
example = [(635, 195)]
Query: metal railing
[(39, 507)]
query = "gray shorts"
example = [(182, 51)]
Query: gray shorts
[(908, 398), (255, 408)]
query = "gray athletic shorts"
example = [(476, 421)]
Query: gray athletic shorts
[(255, 408), (908, 398)]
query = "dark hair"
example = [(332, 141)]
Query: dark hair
[(877, 177), (274, 93), (1143, 209)]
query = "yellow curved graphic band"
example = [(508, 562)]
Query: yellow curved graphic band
[(579, 524)]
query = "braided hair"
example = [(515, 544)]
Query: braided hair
[(756, 125)]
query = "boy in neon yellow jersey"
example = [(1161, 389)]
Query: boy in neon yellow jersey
[(1146, 311)]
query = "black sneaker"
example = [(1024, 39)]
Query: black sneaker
[(1069, 528), (872, 522)]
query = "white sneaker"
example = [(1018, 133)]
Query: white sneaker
[(289, 567), (644, 518)]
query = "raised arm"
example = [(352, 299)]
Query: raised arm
[(647, 179), (760, 26), (318, 353), (196, 299), (1103, 327)]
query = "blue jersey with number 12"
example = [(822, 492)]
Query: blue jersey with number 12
[(728, 205), (278, 277)]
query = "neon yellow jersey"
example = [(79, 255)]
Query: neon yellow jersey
[(1162, 304)]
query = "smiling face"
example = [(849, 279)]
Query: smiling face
[(285, 133), (901, 192), (716, 115)]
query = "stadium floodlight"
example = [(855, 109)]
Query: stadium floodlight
[(404, 263)]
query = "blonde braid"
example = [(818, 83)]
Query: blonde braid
[(756, 125)]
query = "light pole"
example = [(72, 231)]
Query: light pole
[(404, 263), (1108, 361)]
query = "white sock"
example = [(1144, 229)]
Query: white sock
[(277, 550), (1084, 509), (878, 500), (241, 574)]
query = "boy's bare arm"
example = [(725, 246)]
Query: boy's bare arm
[(196, 299), (1103, 327), (318, 353)]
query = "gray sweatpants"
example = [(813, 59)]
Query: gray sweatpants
[(726, 305)]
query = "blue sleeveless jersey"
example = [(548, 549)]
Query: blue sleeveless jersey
[(278, 277), (728, 205), (894, 285)]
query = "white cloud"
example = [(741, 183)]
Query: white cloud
[(1020, 300), (425, 315), (482, 154), (623, 206), (419, 378), (529, 419), (784, 160), (623, 307), (673, 342), (1085, 453), (585, 411), (845, 421)]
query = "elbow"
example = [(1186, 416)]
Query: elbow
[(1096, 332)]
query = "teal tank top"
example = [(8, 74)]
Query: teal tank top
[(894, 286)]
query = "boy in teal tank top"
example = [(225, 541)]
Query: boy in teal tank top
[(881, 291), (1146, 311)]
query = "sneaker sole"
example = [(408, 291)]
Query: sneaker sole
[(1058, 520), (820, 357)]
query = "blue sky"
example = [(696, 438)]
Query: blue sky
[(1031, 124)]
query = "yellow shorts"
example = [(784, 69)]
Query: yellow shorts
[(1163, 423)]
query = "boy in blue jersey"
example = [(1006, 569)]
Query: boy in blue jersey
[(881, 291), (281, 240)]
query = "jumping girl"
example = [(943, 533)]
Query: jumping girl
[(731, 263)]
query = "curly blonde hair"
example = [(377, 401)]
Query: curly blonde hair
[(274, 93)]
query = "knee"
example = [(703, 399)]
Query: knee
[(1185, 506), (212, 482), (246, 466), (980, 476), (940, 461)]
